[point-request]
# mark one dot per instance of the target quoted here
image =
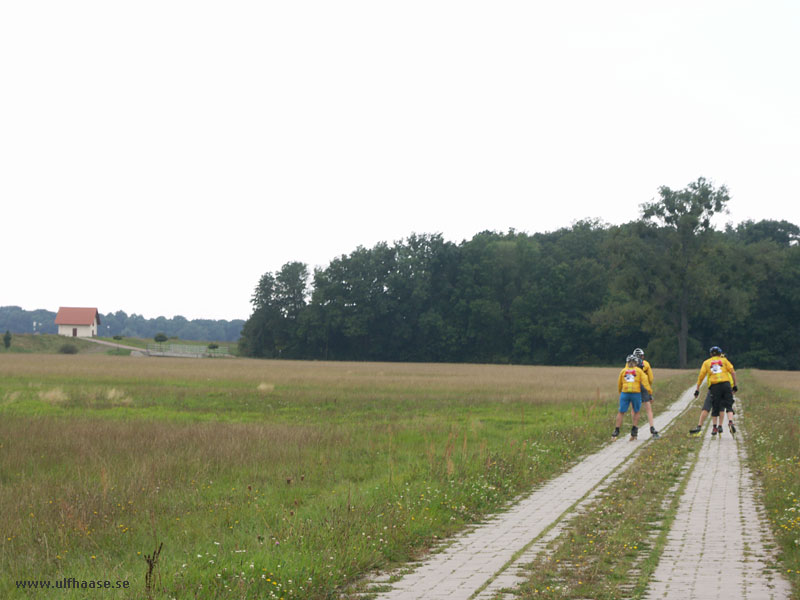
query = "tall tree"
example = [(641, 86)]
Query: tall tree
[(686, 217), (782, 233), (278, 301)]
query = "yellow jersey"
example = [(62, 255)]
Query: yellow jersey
[(631, 380), (730, 377), (718, 368)]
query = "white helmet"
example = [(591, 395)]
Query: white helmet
[(638, 353)]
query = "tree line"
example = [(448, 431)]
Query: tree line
[(17, 320), (588, 294)]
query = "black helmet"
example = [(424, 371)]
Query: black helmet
[(715, 351)]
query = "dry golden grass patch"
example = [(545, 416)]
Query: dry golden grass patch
[(10, 397), (787, 380), (118, 397), (54, 396), (503, 383)]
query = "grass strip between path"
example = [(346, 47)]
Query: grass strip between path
[(610, 550), (772, 428)]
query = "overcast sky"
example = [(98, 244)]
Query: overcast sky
[(158, 157)]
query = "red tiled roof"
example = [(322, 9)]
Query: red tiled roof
[(77, 316)]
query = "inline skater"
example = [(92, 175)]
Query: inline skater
[(647, 397), (720, 374), (629, 384), (708, 408)]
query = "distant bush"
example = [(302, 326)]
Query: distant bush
[(117, 337), (213, 346), (68, 349), (161, 338), (7, 339)]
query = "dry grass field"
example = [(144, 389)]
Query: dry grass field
[(268, 478)]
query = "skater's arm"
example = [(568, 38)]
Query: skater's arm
[(731, 372), (646, 384), (702, 376)]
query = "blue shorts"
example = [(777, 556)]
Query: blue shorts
[(628, 398)]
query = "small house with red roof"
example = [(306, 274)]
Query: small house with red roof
[(77, 322)]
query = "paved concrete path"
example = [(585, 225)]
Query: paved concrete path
[(485, 560), (715, 548)]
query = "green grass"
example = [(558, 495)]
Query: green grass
[(268, 478), (773, 445), (610, 550), (232, 347), (129, 341), (47, 343)]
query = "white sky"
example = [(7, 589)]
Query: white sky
[(180, 149)]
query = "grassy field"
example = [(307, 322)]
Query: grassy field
[(268, 479), (773, 444), (231, 347), (47, 344), (51, 344)]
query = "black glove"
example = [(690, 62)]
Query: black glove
[(696, 393), (736, 388)]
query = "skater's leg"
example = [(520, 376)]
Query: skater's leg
[(706, 409), (731, 426), (725, 404), (625, 401), (649, 408), (703, 415), (623, 408), (636, 408)]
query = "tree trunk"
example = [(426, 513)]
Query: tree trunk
[(683, 332), (683, 337)]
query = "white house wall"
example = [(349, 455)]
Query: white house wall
[(83, 330)]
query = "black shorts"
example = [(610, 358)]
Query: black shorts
[(721, 398)]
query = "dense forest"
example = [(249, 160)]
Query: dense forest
[(588, 294), (17, 320)]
